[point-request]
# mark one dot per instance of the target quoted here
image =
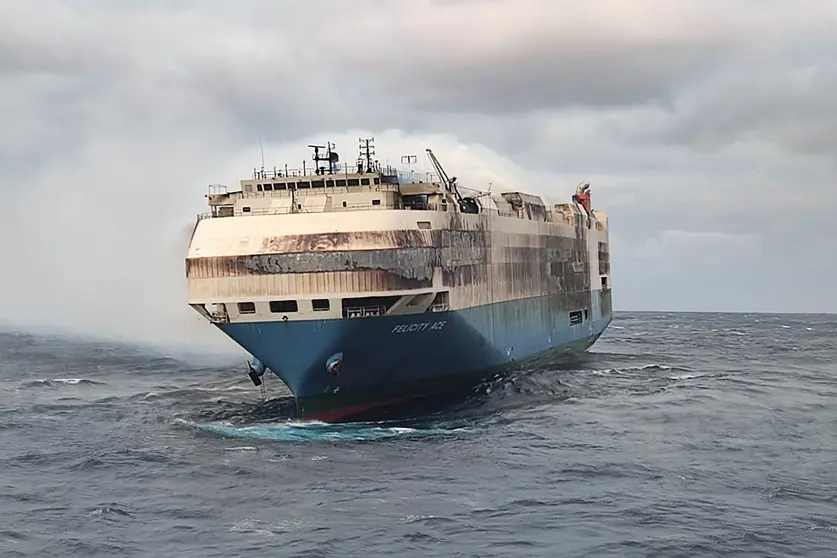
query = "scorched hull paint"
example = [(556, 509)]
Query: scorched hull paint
[(385, 359)]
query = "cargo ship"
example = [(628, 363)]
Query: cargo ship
[(363, 285)]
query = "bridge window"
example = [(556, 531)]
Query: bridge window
[(303, 184), (376, 202), (278, 185), (283, 306), (258, 187), (376, 180), (318, 183), (353, 182), (246, 307), (320, 305), (340, 182), (268, 187), (364, 182)]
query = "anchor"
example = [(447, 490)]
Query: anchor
[(257, 370)]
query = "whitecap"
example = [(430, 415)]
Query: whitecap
[(309, 431)]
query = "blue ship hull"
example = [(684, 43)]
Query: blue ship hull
[(337, 368)]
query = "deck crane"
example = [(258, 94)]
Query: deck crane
[(466, 205)]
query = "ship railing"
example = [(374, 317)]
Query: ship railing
[(349, 207), (340, 168), (364, 311), (219, 317), (217, 189)]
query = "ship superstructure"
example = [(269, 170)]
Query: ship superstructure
[(361, 285)]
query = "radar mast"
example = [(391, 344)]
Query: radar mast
[(331, 157)]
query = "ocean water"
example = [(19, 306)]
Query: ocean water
[(678, 435)]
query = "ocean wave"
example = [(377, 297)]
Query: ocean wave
[(57, 382), (314, 431)]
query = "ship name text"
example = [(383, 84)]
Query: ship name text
[(424, 326)]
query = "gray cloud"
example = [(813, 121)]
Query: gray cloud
[(706, 129)]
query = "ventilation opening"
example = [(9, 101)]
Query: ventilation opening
[(283, 306), (320, 305), (246, 307), (363, 307), (576, 317)]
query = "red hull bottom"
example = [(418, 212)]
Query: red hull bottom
[(346, 414)]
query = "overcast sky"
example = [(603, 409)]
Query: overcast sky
[(707, 129)]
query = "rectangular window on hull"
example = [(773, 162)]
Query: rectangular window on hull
[(246, 307), (576, 317), (283, 306), (320, 305)]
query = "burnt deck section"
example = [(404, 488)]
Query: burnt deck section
[(481, 260)]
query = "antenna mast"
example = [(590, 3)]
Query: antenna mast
[(367, 150), (409, 160)]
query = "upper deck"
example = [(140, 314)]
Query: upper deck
[(368, 186)]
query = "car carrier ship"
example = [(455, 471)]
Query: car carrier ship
[(361, 285)]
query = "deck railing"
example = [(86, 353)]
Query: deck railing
[(364, 311), (343, 169), (338, 209)]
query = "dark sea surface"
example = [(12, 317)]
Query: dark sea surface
[(678, 435)]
